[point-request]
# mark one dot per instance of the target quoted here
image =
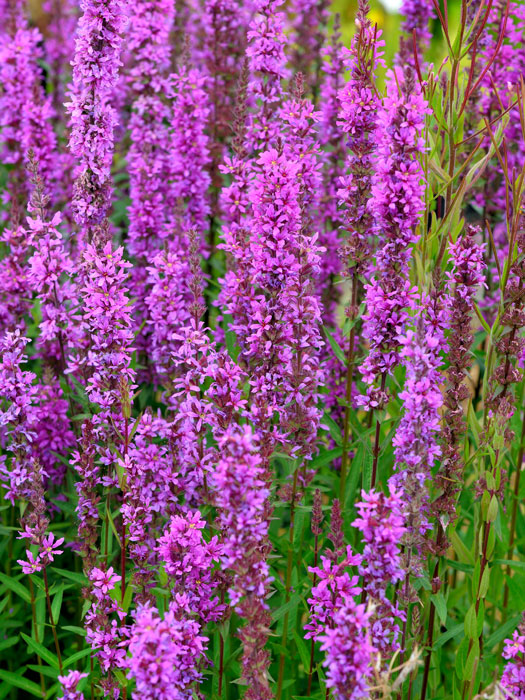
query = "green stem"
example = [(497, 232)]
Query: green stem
[(52, 622), (348, 392), (288, 582), (36, 635)]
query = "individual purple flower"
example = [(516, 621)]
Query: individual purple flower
[(69, 685), (92, 116), (166, 655)]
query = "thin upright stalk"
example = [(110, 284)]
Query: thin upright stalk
[(288, 583), (35, 632), (348, 390), (514, 514), (52, 622), (376, 439), (312, 645)]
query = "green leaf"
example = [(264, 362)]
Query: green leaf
[(326, 457), (338, 350), (452, 633), (441, 606), (335, 430), (461, 658), (15, 586), (75, 657), (76, 630), (287, 607), (464, 555), (18, 681), (57, 603), (472, 660), (471, 624), (41, 651), (304, 653), (9, 642), (71, 575), (505, 630)]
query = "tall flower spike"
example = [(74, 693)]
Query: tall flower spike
[(396, 205), (309, 29), (416, 440), (417, 15), (224, 31), (92, 116), (18, 416), (513, 679), (329, 216), (59, 45), (189, 149), (349, 652), (26, 113), (464, 281), (166, 655), (337, 621), (382, 524), (241, 495), (188, 560), (149, 159), (265, 51)]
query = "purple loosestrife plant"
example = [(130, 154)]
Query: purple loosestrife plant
[(464, 281), (188, 560), (189, 147), (382, 524), (70, 684), (26, 113), (241, 274), (309, 23), (148, 156), (416, 442), (92, 116), (513, 679), (333, 153), (349, 652), (396, 205), (241, 496), (266, 60), (417, 14), (337, 621), (166, 654)]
